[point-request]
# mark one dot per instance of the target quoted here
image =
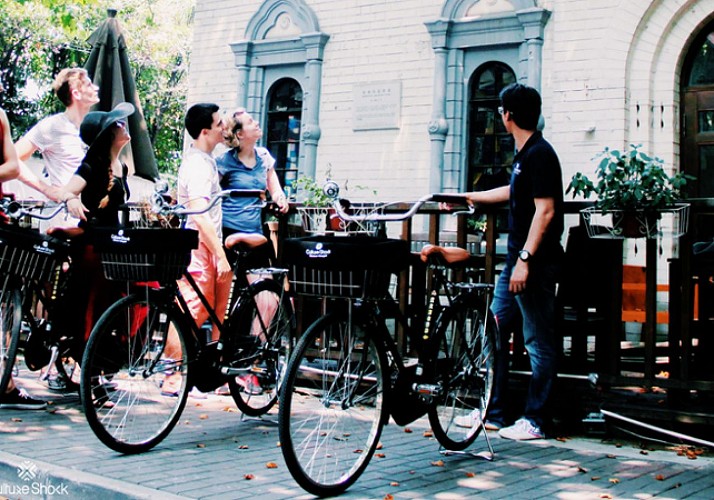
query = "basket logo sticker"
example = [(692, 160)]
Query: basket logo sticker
[(43, 248), (120, 238), (318, 252)]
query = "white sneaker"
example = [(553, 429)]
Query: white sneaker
[(469, 421), (522, 430)]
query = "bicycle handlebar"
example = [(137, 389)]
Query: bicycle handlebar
[(332, 190), (162, 206), (15, 210)]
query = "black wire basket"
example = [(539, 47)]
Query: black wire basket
[(145, 254), (344, 266), (27, 253)]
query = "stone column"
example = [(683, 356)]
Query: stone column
[(242, 52), (438, 126), (310, 133)]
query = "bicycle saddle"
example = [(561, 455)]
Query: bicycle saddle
[(65, 233), (245, 241), (448, 255)]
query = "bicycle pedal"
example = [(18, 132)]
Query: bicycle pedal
[(429, 390)]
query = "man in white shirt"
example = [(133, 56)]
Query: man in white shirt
[(198, 182), (57, 137)]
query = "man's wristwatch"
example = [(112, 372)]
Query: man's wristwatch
[(524, 255)]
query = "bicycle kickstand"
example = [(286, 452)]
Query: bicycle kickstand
[(490, 455)]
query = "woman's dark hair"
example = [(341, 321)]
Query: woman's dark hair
[(198, 117), (523, 104), (99, 155)]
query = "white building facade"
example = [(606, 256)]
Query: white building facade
[(401, 95)]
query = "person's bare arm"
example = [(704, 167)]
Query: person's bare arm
[(28, 177), (276, 191), (544, 213), (495, 195), (207, 234), (10, 167), (25, 148), (70, 195)]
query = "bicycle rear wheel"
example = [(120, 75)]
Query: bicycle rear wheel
[(134, 381), (464, 369), (332, 406), (10, 320), (261, 335)]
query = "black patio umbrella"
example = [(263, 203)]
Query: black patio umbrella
[(108, 66)]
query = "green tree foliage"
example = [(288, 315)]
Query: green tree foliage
[(40, 37)]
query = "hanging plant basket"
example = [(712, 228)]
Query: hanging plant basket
[(621, 224)]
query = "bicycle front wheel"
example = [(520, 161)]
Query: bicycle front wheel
[(332, 407), (464, 370), (134, 381), (10, 320), (261, 330)]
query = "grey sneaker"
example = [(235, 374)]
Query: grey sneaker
[(469, 420), (522, 430)]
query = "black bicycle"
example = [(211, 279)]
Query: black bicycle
[(347, 376), (148, 340), (35, 270)]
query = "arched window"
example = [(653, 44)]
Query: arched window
[(283, 128), (702, 72), (697, 154), (490, 148)]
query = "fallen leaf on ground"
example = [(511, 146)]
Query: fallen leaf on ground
[(595, 478), (614, 480), (394, 483), (408, 430), (438, 463), (388, 497), (605, 495), (278, 444), (229, 409), (644, 452), (198, 405), (379, 446), (203, 416), (379, 455), (248, 477), (470, 474), (561, 439), (659, 477), (243, 447), (200, 445), (271, 465), (428, 434), (610, 456), (16, 419), (582, 469)]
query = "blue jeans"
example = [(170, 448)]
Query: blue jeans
[(536, 307)]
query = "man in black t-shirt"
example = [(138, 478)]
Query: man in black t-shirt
[(526, 287)]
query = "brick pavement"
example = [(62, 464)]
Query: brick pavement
[(210, 452)]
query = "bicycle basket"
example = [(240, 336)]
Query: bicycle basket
[(145, 254), (346, 267), (27, 253)]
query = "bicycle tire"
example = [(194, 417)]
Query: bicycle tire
[(265, 361), (464, 370), (332, 404), (10, 321), (124, 367)]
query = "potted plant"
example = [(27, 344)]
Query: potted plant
[(634, 187)]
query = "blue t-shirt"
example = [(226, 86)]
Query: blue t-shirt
[(235, 175)]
